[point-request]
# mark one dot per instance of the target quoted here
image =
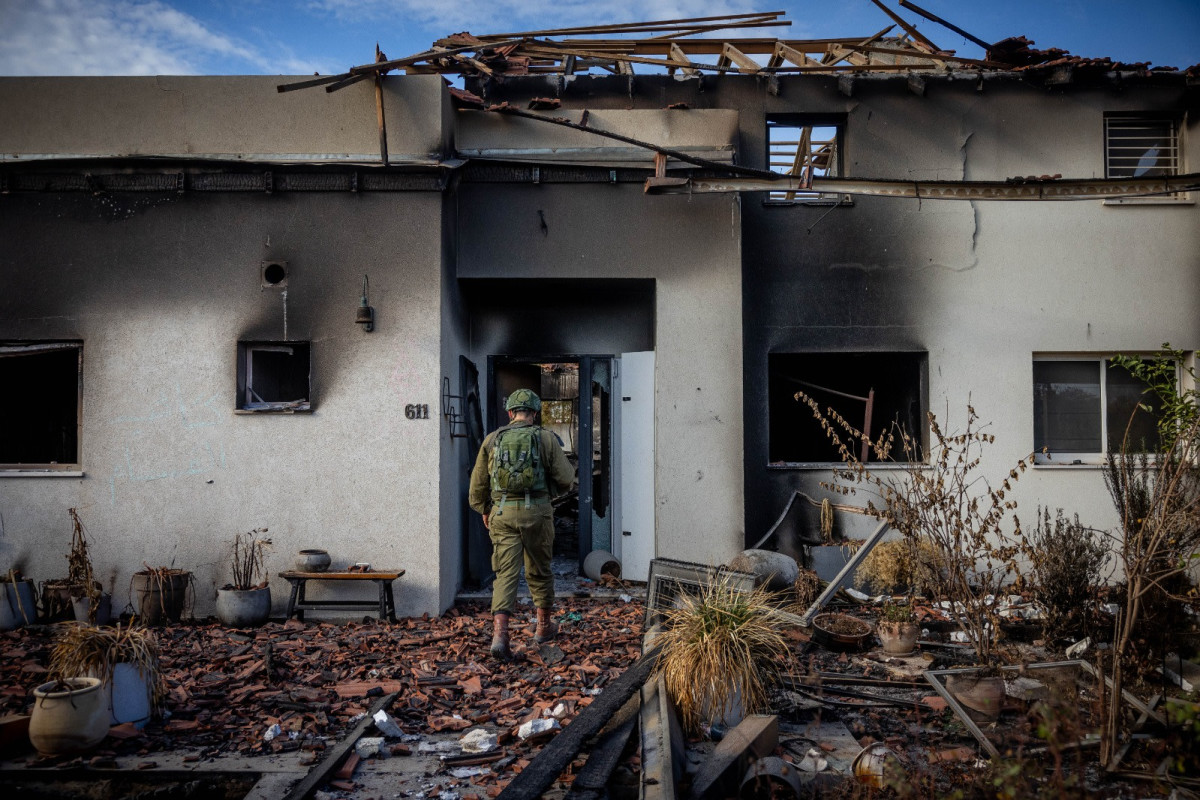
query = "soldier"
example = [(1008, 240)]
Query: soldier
[(518, 469)]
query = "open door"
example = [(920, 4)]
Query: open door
[(634, 464)]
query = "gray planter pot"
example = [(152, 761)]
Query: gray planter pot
[(244, 608)]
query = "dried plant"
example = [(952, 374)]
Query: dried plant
[(721, 648), (247, 560), (80, 575), (806, 587), (941, 497), (1158, 499), (912, 564), (161, 581), (1067, 560), (81, 650)]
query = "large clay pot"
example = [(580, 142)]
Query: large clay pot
[(159, 599), (244, 608), (70, 719), (898, 638), (983, 695)]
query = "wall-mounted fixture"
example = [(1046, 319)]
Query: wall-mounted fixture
[(366, 314), (274, 274)]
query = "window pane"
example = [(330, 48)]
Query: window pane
[(842, 381), (1138, 147), (1126, 394), (1066, 406), (40, 407)]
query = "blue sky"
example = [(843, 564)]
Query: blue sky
[(225, 37)]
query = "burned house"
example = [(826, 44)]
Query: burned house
[(227, 306)]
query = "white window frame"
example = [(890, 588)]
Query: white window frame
[(1085, 458), (1178, 125)]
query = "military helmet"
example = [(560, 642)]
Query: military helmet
[(523, 399)]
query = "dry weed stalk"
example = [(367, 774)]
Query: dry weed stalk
[(80, 574), (248, 560), (943, 500), (82, 650), (721, 648), (1158, 500), (914, 565)]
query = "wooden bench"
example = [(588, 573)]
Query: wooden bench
[(385, 605)]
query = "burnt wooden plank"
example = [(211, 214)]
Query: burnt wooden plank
[(324, 770), (555, 756)]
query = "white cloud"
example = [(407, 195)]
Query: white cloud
[(500, 16), (122, 37)]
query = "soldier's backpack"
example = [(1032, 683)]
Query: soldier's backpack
[(517, 464)]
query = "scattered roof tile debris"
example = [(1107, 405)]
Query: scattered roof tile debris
[(227, 688)]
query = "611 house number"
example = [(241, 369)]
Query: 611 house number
[(416, 411)]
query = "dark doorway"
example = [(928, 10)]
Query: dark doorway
[(577, 407)]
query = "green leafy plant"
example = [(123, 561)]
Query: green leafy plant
[(720, 648), (897, 612)]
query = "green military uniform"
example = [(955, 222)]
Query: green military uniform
[(521, 529)]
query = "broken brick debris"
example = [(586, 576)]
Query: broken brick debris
[(223, 691)]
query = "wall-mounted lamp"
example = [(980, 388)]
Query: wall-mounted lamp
[(366, 314)]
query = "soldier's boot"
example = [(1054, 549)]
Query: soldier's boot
[(547, 628), (500, 637)]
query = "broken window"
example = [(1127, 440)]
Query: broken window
[(40, 405), (806, 149), (871, 391), (274, 376), (1084, 407)]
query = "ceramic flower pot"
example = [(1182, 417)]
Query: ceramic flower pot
[(244, 608), (982, 694), (898, 638), (159, 597), (68, 717)]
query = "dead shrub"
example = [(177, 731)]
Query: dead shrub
[(1067, 559)]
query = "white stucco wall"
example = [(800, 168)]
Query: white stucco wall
[(161, 287), (691, 248)]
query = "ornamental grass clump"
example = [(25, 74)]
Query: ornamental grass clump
[(84, 650), (721, 650)]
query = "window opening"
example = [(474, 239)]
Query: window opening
[(1082, 409), (806, 151), (274, 376), (40, 405), (1139, 146), (871, 391)]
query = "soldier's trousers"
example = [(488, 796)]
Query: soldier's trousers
[(522, 535)]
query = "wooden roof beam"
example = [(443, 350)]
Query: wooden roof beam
[(730, 54), (681, 58), (754, 19), (908, 28), (784, 53)]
